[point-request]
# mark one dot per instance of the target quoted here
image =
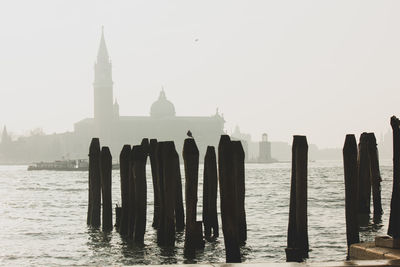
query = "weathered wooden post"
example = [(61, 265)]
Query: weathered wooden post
[(146, 147), (291, 251), (239, 176), (351, 190), (94, 183), (156, 197), (228, 197), (132, 196), (139, 176), (298, 247), (301, 196), (106, 169), (210, 187), (160, 188), (375, 175), (206, 215), (191, 163), (124, 174), (364, 180), (179, 211), (90, 200), (90, 187), (394, 220), (169, 192)]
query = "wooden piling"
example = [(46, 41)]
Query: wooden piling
[(106, 169), (351, 190), (132, 196), (291, 251), (124, 174), (169, 191), (364, 181), (375, 175), (301, 196), (239, 176), (394, 220), (298, 246), (89, 210), (160, 190), (94, 183), (146, 147), (156, 197), (191, 164), (206, 215), (90, 187), (228, 198), (179, 211), (198, 234), (139, 176), (210, 187)]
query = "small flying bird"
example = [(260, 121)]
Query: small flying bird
[(189, 133)]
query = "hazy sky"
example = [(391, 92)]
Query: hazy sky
[(320, 68)]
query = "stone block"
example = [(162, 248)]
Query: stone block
[(387, 242)]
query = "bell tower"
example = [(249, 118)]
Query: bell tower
[(103, 91), (103, 84)]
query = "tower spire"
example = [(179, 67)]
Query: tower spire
[(162, 93), (103, 86), (102, 54)]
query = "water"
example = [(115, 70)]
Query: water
[(43, 219)]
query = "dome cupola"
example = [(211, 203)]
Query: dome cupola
[(162, 107)]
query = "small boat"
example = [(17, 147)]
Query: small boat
[(64, 165), (61, 165)]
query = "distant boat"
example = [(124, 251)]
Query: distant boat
[(64, 165)]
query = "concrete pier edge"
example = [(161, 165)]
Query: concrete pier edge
[(368, 251), (366, 263)]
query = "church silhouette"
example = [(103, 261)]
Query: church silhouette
[(113, 129)]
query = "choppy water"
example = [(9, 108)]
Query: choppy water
[(43, 219)]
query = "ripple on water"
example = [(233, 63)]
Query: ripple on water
[(44, 214)]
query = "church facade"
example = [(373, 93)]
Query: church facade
[(113, 129), (162, 123)]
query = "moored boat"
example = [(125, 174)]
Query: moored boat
[(61, 165)]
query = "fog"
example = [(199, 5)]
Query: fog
[(319, 68)]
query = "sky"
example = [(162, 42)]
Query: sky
[(318, 68)]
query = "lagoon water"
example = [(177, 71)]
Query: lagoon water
[(43, 218)]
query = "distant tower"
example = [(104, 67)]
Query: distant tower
[(5, 145), (5, 138), (103, 93), (103, 85), (265, 149), (264, 137)]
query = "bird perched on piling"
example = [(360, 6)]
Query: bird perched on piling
[(189, 133)]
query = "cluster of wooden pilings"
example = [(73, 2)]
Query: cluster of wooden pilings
[(361, 173), (394, 219), (169, 212), (362, 177), (100, 167)]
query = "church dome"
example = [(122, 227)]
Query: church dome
[(162, 107)]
